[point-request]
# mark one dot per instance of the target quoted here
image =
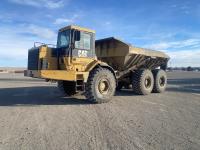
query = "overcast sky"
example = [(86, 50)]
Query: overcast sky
[(172, 26)]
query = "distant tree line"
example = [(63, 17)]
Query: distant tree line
[(189, 68)]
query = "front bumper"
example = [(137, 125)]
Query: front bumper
[(57, 75)]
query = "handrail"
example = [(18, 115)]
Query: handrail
[(42, 44)]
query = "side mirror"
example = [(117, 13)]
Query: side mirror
[(77, 35)]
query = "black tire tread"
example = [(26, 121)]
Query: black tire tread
[(156, 88), (89, 91), (137, 82)]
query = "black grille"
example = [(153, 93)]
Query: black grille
[(33, 56), (63, 51)]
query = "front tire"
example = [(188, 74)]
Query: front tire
[(101, 86), (142, 82)]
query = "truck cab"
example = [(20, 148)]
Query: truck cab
[(74, 51), (77, 41)]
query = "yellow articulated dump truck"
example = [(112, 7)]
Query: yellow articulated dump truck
[(97, 68)]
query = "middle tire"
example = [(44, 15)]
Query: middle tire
[(142, 82), (160, 80), (101, 86)]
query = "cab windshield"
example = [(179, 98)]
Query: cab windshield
[(63, 39)]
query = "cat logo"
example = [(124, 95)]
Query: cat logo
[(82, 53)]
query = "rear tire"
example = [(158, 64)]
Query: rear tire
[(142, 82), (160, 81), (67, 88), (101, 86)]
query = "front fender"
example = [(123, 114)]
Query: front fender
[(97, 63)]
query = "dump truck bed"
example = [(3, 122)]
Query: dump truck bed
[(123, 56)]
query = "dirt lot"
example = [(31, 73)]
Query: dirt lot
[(34, 116)]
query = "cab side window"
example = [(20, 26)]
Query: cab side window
[(85, 41)]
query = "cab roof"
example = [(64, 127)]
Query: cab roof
[(77, 28)]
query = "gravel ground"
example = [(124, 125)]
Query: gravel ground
[(34, 116)]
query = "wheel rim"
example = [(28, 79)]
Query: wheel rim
[(103, 86), (162, 81), (147, 82)]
